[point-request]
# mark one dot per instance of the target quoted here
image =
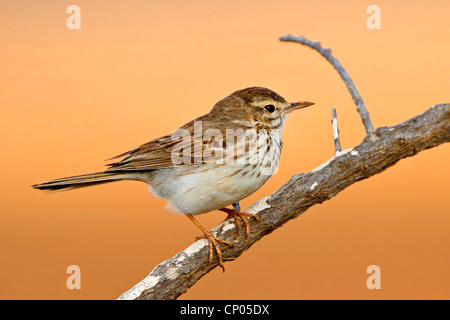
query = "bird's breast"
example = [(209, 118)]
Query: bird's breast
[(201, 188)]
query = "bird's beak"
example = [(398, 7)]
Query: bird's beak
[(297, 105)]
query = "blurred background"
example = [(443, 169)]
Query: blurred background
[(137, 70)]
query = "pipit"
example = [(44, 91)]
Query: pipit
[(209, 163)]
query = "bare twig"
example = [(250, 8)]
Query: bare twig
[(337, 140), (326, 53), (378, 151)]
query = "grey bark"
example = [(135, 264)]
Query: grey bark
[(337, 140), (326, 53)]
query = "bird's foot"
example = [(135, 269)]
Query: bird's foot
[(237, 215), (213, 245)]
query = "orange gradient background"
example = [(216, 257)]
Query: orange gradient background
[(140, 69)]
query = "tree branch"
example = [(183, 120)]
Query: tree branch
[(378, 151), (326, 53), (337, 140)]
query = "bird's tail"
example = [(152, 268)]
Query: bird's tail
[(84, 180)]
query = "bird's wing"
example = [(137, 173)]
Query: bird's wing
[(151, 155), (168, 151)]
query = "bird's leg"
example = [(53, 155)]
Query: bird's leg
[(237, 206), (212, 241), (236, 215)]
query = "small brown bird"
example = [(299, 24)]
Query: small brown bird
[(209, 163)]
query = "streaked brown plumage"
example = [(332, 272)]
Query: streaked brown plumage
[(201, 167)]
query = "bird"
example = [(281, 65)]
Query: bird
[(209, 163)]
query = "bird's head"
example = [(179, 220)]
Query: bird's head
[(257, 106)]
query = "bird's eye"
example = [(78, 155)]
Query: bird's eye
[(270, 108)]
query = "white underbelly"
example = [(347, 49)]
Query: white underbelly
[(207, 187), (202, 188)]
